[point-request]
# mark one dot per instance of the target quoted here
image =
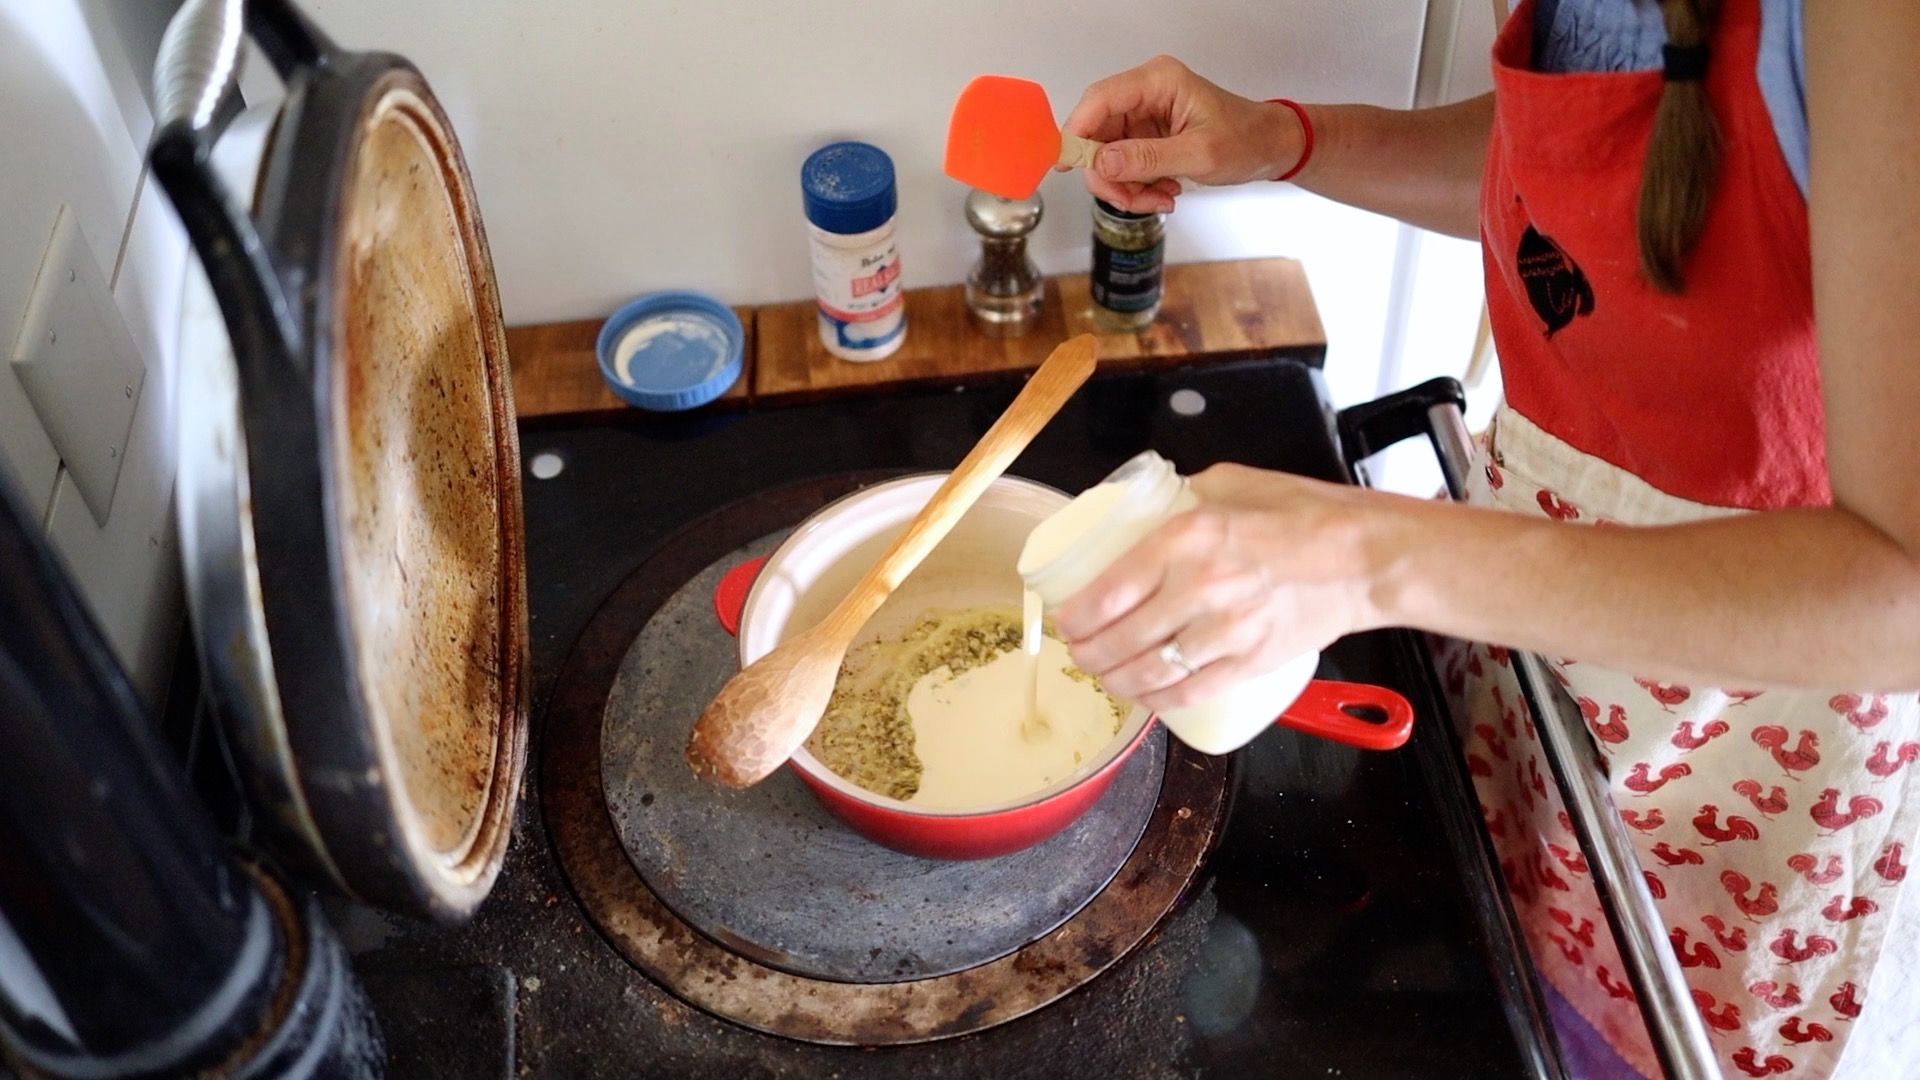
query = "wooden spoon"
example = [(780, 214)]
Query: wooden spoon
[(766, 711), (1003, 139)]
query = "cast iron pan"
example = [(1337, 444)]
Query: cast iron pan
[(349, 480)]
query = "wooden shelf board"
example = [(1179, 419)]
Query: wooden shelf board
[(1210, 313), (556, 371), (1214, 312)]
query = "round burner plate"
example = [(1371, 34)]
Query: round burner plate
[(772, 874), (705, 968)]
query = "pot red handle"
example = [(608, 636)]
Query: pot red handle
[(730, 596), (1324, 709)]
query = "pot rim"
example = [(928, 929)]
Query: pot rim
[(1133, 730)]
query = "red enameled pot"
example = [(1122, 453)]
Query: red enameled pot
[(766, 601)]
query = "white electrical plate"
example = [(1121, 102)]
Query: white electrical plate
[(79, 365)]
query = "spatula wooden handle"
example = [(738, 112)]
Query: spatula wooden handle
[(1076, 152), (1064, 372)]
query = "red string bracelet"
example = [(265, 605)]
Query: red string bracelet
[(1306, 125)]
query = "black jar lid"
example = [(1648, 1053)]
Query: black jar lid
[(1108, 208)]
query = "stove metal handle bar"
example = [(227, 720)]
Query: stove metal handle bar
[(1434, 409), (196, 71)]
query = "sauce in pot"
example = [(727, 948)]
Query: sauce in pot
[(944, 716), (977, 743)]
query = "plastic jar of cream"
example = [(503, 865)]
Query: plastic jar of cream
[(1071, 547)]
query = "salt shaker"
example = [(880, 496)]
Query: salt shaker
[(1004, 287), (850, 201)]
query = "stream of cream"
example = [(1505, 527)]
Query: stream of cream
[(1033, 723)]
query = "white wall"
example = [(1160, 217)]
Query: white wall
[(73, 79), (620, 147), (1436, 300)]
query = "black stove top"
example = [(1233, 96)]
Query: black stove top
[(1346, 923)]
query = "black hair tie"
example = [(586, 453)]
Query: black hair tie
[(1683, 63)]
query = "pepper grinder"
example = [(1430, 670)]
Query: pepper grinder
[(1004, 287)]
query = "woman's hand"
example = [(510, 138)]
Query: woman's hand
[(1161, 121), (1267, 567)]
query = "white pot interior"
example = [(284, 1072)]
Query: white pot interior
[(973, 567)]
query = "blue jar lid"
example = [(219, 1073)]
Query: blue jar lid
[(848, 187), (669, 351)]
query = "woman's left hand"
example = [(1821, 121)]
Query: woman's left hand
[(1267, 567)]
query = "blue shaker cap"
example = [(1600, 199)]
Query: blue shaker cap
[(669, 351), (848, 187)]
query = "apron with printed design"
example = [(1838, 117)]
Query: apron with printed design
[(1774, 827)]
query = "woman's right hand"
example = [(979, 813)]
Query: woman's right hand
[(1161, 122), (1268, 566)]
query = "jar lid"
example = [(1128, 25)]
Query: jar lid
[(669, 351), (849, 187), (1110, 209)]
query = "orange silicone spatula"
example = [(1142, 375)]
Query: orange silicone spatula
[(1003, 138)]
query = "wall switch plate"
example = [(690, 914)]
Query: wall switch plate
[(79, 366)]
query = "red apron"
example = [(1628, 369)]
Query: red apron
[(1773, 828), (1713, 395)]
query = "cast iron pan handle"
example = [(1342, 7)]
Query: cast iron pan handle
[(1435, 409)]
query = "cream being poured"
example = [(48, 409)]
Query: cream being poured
[(1033, 725), (975, 742)]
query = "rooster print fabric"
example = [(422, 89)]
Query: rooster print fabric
[(1775, 828)]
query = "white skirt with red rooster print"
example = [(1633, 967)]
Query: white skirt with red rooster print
[(1775, 827)]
